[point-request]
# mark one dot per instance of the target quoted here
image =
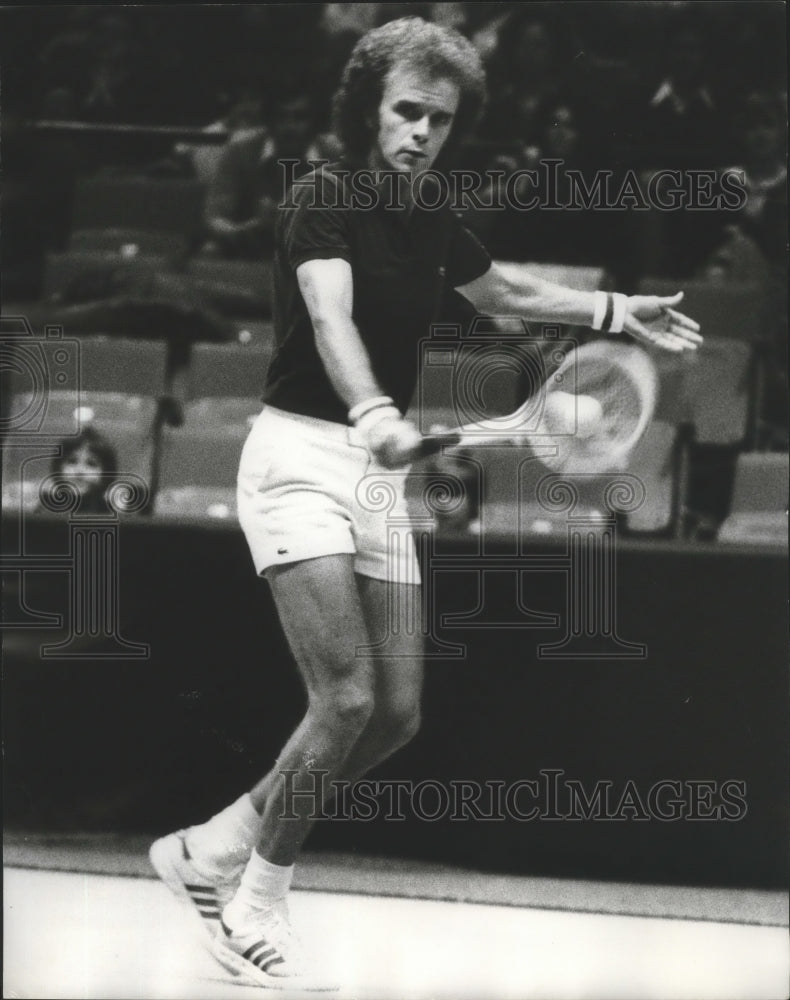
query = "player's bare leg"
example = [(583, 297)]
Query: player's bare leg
[(398, 679), (203, 865), (328, 616)]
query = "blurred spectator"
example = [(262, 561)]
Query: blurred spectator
[(755, 240), (609, 45), (484, 22), (679, 125), (39, 171), (354, 18), (284, 51), (202, 161), (761, 138), (88, 465), (560, 236), (100, 66), (450, 15), (754, 247), (747, 42), (249, 183), (525, 72), (24, 235)]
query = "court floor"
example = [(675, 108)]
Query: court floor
[(86, 935)]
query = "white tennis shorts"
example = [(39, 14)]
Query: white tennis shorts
[(309, 488)]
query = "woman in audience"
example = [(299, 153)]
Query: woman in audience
[(86, 467)]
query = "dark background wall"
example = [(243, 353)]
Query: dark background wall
[(153, 743)]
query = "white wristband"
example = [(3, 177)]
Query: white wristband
[(599, 310), (367, 405), (618, 312)]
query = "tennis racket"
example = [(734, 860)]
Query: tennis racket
[(588, 417)]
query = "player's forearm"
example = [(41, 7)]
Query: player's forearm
[(544, 301), (511, 290), (345, 359)]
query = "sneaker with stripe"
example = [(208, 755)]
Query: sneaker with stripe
[(266, 952), (203, 896)]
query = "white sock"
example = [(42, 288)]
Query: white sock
[(263, 886), (224, 842)]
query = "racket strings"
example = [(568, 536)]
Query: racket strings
[(623, 380), (621, 405)]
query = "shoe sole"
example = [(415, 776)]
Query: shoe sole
[(250, 975)]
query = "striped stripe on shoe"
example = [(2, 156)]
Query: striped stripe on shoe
[(204, 898), (267, 954), (263, 953)]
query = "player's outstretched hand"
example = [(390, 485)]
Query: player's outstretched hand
[(654, 321)]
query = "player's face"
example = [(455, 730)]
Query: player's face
[(83, 468), (416, 115)]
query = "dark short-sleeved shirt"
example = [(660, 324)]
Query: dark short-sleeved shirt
[(401, 265)]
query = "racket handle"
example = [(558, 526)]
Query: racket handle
[(392, 456), (432, 444)]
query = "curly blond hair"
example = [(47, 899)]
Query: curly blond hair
[(441, 52)]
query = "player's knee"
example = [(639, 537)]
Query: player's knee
[(399, 724), (348, 707)]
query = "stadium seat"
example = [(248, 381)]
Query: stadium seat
[(205, 457), (510, 478), (469, 381), (58, 414), (100, 364), (129, 242), (216, 503), (60, 269), (136, 367), (255, 333), (197, 471), (172, 205), (758, 512), (731, 311), (252, 276), (715, 388), (216, 413), (228, 370), (653, 462), (717, 391), (673, 404)]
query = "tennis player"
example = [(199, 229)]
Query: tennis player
[(356, 288)]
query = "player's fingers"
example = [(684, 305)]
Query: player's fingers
[(676, 337), (684, 321), (647, 336), (667, 301), (668, 343), (691, 341)]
